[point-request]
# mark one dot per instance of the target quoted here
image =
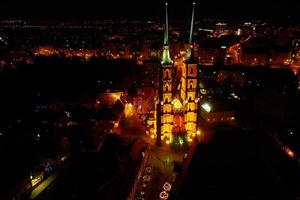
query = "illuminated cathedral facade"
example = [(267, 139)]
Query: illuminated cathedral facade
[(176, 110)]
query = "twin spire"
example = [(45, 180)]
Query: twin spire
[(190, 52), (166, 59), (166, 36)]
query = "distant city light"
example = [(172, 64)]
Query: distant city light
[(289, 152)]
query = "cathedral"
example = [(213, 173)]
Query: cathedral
[(176, 110)]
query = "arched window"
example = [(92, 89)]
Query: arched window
[(191, 84), (192, 70), (167, 74), (167, 88)]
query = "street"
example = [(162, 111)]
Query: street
[(159, 159)]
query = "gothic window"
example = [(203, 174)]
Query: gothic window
[(167, 88), (167, 74), (191, 85), (192, 70)]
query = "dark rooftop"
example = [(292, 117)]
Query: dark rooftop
[(237, 166)]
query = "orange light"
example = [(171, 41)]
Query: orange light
[(177, 104), (129, 110), (116, 124), (289, 152)]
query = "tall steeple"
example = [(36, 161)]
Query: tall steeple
[(166, 59), (190, 53)]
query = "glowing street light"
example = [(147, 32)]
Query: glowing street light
[(167, 186), (146, 178), (289, 152), (206, 107), (164, 195), (180, 141)]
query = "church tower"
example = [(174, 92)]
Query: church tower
[(164, 109), (189, 85)]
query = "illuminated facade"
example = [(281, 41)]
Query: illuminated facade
[(177, 106), (189, 87)]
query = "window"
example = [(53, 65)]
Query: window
[(167, 74), (191, 84), (192, 70)]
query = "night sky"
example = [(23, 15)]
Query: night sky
[(146, 9)]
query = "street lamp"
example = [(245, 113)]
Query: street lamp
[(206, 107)]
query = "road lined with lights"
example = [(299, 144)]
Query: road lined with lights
[(157, 173)]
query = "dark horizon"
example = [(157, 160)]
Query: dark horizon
[(150, 10)]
